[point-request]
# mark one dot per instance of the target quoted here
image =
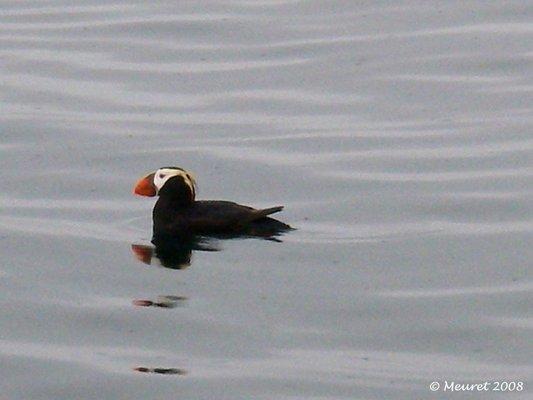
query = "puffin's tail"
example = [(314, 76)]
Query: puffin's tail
[(267, 211)]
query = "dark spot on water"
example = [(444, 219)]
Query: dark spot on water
[(161, 302), (169, 371), (142, 303), (161, 371), (165, 305), (176, 298)]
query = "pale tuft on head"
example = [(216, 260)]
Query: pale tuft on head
[(162, 175)]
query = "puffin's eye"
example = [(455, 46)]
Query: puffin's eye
[(161, 176)]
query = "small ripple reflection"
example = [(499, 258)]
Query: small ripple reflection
[(161, 302), (161, 371)]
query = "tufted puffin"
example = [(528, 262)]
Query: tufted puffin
[(178, 213)]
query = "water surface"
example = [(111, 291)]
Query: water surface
[(398, 136)]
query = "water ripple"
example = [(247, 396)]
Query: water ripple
[(399, 137)]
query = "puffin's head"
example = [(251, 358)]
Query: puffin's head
[(173, 182)]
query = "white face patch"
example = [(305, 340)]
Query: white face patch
[(162, 175)]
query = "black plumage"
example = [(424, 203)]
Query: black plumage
[(178, 213)]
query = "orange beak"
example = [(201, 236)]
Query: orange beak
[(145, 186)]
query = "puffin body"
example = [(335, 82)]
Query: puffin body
[(178, 213)]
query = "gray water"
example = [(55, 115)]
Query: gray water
[(397, 134)]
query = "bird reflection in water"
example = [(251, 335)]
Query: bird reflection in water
[(176, 252)]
